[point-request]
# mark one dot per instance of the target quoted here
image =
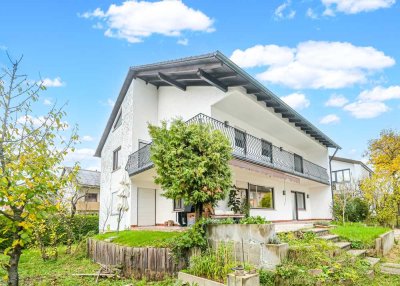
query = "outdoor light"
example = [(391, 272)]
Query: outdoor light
[(281, 149), (284, 192), (308, 196), (226, 123)]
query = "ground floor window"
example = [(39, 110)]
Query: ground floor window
[(261, 197), (301, 201), (178, 205), (91, 197)]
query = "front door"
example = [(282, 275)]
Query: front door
[(146, 207)]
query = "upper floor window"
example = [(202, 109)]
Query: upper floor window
[(116, 159), (91, 197), (298, 163), (341, 176), (118, 121), (266, 150), (240, 138)]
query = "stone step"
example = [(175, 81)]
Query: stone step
[(357, 252), (330, 237), (372, 260), (319, 231), (343, 245), (390, 268)]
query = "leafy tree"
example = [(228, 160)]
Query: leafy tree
[(31, 149), (191, 162)]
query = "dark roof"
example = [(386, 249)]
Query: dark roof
[(87, 178), (351, 161), (213, 69)]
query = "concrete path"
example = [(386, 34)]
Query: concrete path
[(292, 226)]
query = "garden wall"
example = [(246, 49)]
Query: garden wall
[(138, 262), (250, 243), (384, 243)]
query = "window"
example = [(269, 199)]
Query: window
[(178, 205), (266, 150), (118, 121), (298, 163), (301, 201), (261, 197), (90, 197), (341, 176), (240, 138), (116, 159)]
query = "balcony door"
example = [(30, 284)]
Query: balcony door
[(298, 203)]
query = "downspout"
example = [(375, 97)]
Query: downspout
[(330, 175)]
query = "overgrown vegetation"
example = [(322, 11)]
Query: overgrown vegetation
[(360, 235), (140, 238)]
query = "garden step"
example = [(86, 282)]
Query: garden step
[(319, 231), (357, 252), (390, 268), (343, 245), (372, 260), (330, 237)]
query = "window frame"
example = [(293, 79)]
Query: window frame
[(271, 189), (342, 171), (178, 209), (302, 163), (304, 201), (269, 149), (116, 162), (243, 133), (91, 194)]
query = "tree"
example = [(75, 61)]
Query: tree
[(191, 161), (344, 193), (31, 149)]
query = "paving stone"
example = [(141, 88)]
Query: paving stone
[(357, 252), (343, 245), (390, 268), (319, 231), (372, 260), (330, 237)]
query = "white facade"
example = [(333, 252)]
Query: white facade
[(144, 103), (346, 170)]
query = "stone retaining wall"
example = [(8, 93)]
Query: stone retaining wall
[(384, 243)]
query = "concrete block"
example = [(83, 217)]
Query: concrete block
[(273, 254), (390, 268), (191, 279), (384, 243), (245, 280)]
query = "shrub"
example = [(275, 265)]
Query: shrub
[(254, 220), (356, 210), (267, 278)]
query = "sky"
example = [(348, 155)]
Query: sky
[(337, 62)]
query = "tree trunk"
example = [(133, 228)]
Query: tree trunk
[(12, 268)]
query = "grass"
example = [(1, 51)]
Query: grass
[(36, 272), (140, 238), (358, 234)]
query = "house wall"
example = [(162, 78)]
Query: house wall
[(357, 171)]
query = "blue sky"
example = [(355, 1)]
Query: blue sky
[(335, 61)]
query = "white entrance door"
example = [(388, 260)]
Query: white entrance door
[(146, 207)]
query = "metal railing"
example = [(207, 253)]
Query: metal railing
[(244, 147)]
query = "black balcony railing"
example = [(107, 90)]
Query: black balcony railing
[(245, 147)]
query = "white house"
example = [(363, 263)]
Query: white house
[(345, 170), (277, 153)]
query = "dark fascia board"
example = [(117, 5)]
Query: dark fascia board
[(351, 161), (218, 56)]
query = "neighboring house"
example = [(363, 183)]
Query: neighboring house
[(85, 191), (280, 160), (344, 170)]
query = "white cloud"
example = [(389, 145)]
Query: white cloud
[(85, 156), (366, 109), (183, 42), (380, 93), (135, 20), (330, 119), (314, 64), (109, 102), (284, 12), (311, 14), (354, 6), (48, 82), (336, 100), (87, 138), (296, 100), (47, 101)]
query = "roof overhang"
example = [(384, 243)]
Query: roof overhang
[(213, 69)]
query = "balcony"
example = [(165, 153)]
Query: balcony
[(245, 147)]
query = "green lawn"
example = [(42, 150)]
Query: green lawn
[(36, 272), (139, 238), (358, 234)]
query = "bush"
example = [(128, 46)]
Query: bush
[(356, 210), (254, 220)]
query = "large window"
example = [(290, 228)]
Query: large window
[(116, 159), (266, 150), (301, 201), (298, 163), (91, 197), (341, 176), (178, 205), (261, 197)]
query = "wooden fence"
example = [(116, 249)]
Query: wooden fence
[(144, 262)]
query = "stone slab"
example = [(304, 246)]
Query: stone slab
[(191, 279), (356, 252), (343, 245)]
